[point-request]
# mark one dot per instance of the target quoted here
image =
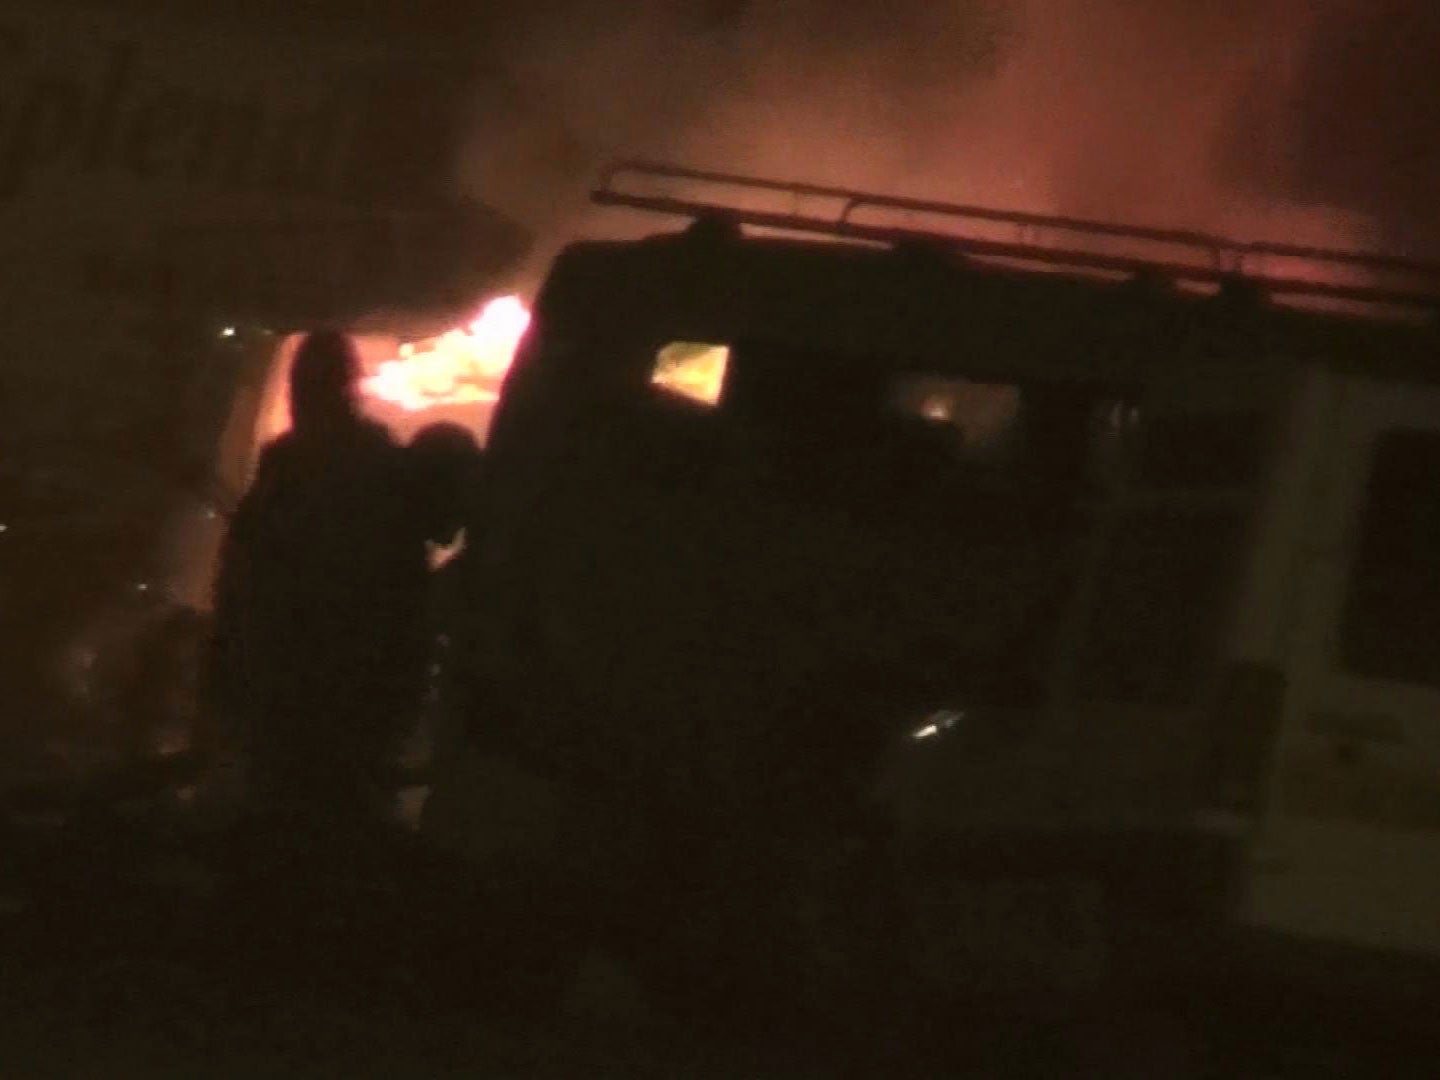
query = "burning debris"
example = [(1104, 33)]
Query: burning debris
[(463, 366)]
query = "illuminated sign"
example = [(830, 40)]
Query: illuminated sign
[(108, 106)]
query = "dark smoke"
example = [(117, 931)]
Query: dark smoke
[(1367, 123), (1165, 112)]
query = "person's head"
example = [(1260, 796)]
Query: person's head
[(447, 457), (323, 379)]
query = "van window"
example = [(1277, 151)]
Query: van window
[(692, 369), (1162, 586), (1391, 623), (1201, 450), (1160, 596), (981, 416)]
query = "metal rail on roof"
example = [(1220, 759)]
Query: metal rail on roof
[(1082, 244)]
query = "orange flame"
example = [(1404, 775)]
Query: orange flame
[(460, 367)]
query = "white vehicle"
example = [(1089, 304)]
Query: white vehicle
[(1135, 533)]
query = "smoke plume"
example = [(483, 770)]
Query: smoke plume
[(1162, 112)]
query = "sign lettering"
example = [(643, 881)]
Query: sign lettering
[(119, 116)]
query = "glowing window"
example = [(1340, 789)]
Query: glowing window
[(692, 369), (983, 415)]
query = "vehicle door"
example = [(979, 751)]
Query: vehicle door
[(1348, 846)]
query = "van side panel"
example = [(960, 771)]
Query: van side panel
[(1348, 849)]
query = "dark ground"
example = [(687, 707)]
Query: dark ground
[(133, 945)]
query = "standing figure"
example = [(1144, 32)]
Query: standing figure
[(319, 650)]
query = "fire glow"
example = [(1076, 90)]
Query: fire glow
[(464, 366)]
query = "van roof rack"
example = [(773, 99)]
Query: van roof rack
[(1179, 255)]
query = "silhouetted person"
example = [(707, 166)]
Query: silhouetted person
[(445, 460), (444, 466), (320, 610)]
